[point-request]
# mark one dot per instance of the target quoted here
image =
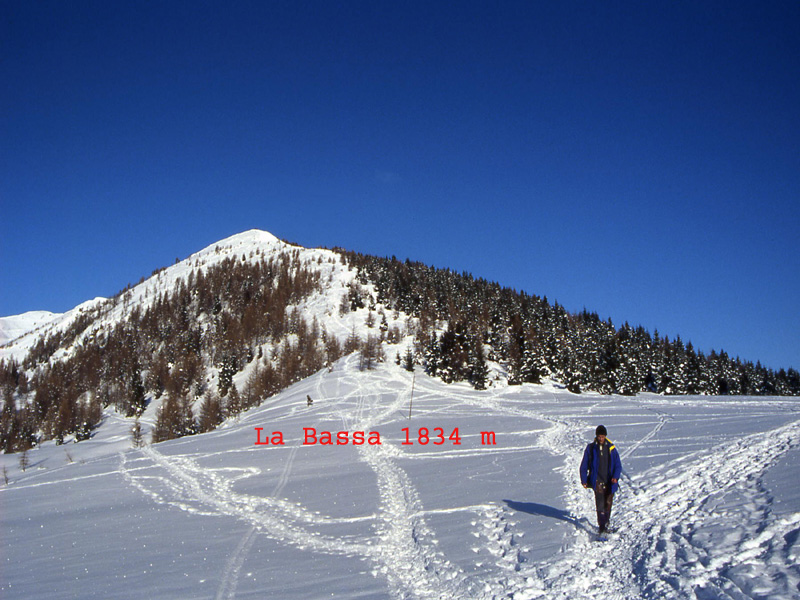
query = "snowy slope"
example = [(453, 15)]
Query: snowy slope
[(244, 245), (709, 506), (103, 314), (14, 326)]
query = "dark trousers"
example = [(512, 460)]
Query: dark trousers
[(603, 500)]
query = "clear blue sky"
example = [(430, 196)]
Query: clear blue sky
[(639, 159)]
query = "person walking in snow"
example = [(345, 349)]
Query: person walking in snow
[(600, 470)]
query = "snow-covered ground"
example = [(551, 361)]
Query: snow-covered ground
[(15, 326), (709, 505)]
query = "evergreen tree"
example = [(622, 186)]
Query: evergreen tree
[(432, 356), (479, 370), (408, 360), (226, 372), (371, 352), (384, 326), (234, 405), (136, 398), (210, 413), (24, 459), (353, 342), (174, 419)]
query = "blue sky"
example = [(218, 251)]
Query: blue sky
[(641, 160)]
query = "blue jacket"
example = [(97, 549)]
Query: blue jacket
[(591, 458)]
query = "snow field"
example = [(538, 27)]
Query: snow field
[(215, 516)]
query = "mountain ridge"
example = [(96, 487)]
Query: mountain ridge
[(248, 306), (15, 326)]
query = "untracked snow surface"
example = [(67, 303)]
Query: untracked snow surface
[(708, 507), (15, 326)]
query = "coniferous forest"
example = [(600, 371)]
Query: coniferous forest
[(186, 345), (535, 339)]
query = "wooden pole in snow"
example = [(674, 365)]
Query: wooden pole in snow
[(411, 401)]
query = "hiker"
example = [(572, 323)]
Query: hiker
[(600, 470)]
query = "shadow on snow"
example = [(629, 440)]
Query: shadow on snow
[(551, 512)]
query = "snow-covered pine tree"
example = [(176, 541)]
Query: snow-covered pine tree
[(478, 369)]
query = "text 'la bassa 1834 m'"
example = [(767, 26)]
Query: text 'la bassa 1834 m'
[(422, 436)]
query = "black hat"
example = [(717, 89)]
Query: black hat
[(601, 430)]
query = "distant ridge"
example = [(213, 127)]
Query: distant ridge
[(14, 326)]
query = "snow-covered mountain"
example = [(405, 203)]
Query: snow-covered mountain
[(25, 330), (13, 327), (469, 494), (190, 330)]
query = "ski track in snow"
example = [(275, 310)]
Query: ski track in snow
[(677, 534), (207, 491), (663, 419), (230, 575)]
